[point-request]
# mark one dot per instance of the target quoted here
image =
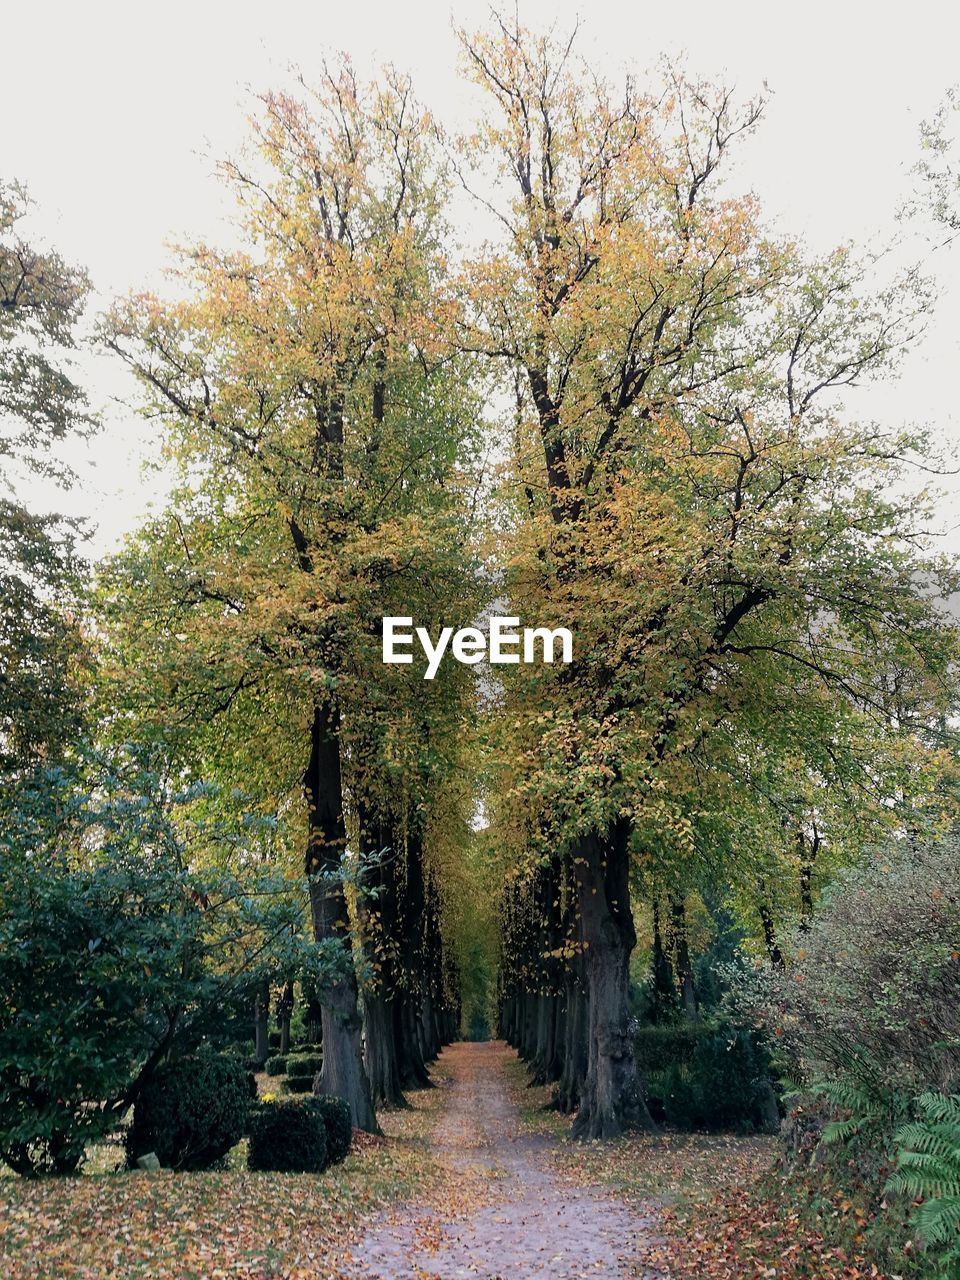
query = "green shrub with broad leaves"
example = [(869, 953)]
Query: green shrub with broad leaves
[(112, 952)]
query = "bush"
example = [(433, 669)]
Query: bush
[(288, 1137), (276, 1066), (870, 992), (658, 1048), (718, 1079), (91, 961), (301, 1064), (192, 1112), (299, 1084), (103, 958), (339, 1126), (273, 1039)]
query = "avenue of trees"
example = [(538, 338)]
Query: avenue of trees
[(629, 411)]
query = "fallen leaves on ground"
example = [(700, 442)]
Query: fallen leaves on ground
[(214, 1226), (740, 1235)]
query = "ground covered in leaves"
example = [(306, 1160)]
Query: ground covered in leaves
[(722, 1210), (477, 1178), (231, 1223)]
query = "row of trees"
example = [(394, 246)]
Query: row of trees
[(762, 675), (763, 665)]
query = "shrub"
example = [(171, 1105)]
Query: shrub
[(299, 1084), (276, 1066), (718, 1078), (192, 1112), (103, 958), (92, 959), (663, 1046), (288, 1137), (869, 994), (301, 1064), (273, 1039), (339, 1126)]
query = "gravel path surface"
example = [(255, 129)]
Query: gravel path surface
[(530, 1224)]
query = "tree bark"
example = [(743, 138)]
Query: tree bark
[(378, 915), (663, 992), (284, 1014), (612, 1100), (261, 1015), (681, 952), (343, 1073)]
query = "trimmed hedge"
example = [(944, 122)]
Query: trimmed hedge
[(191, 1112), (660, 1047), (339, 1126), (298, 1083), (708, 1076), (288, 1137), (276, 1066), (299, 1064)]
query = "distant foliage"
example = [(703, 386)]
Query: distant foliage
[(192, 1112), (288, 1137)]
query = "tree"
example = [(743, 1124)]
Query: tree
[(117, 945), (685, 490), (308, 382), (41, 648)]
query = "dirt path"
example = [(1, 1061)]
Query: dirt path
[(528, 1224)]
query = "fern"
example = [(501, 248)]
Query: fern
[(928, 1168), (868, 1109)]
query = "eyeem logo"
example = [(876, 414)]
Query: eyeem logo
[(470, 645)]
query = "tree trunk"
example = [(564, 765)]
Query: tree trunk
[(612, 1100), (681, 952), (381, 1058), (769, 930), (663, 992), (261, 1015), (413, 1069), (284, 1013), (378, 907), (312, 1017), (575, 1046), (343, 1074)]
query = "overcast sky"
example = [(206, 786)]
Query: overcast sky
[(114, 115)]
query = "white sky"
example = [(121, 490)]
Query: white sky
[(115, 113)]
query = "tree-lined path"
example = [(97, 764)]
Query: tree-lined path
[(533, 1223)]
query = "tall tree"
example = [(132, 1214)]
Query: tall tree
[(685, 491), (41, 405), (308, 390)]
